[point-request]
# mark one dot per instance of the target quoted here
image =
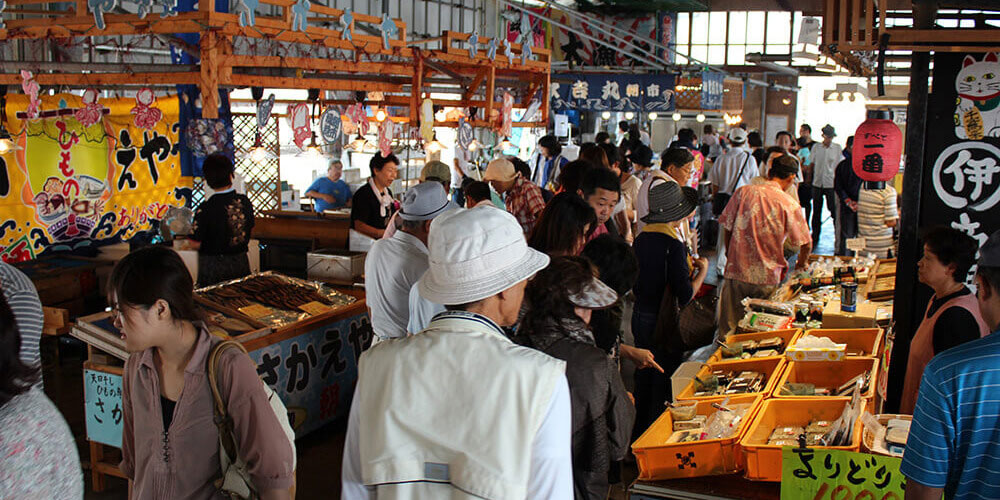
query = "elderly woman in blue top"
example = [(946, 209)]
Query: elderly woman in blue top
[(954, 443)]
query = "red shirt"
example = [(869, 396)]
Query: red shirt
[(524, 201)]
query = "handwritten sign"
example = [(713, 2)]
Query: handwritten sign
[(103, 407), (839, 475), (256, 311), (315, 308)]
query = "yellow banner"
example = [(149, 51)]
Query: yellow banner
[(87, 172)]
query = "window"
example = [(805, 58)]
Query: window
[(724, 38)]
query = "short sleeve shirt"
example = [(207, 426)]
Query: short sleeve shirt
[(824, 161), (524, 201), (761, 217), (366, 208), (953, 442), (338, 189), (875, 207), (223, 224)]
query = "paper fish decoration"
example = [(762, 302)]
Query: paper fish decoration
[(389, 30), (99, 7), (248, 12), (264, 111), (473, 44), (386, 130), (145, 116), (92, 111), (357, 114), (301, 124), (30, 87), (507, 51), (491, 49), (427, 120), (300, 12), (345, 25)]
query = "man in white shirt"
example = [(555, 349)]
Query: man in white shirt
[(426, 421), (732, 170), (824, 157), (394, 264)]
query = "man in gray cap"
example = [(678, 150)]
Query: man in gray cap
[(458, 410), (394, 264), (824, 158), (952, 448)]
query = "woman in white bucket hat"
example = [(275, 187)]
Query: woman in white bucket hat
[(443, 414)]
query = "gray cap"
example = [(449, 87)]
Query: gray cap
[(424, 201), (989, 254)]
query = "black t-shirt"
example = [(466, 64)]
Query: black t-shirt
[(167, 406), (223, 224), (955, 325), (366, 208)]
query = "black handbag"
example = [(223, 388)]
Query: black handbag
[(697, 322)]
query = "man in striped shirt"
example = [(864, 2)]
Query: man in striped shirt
[(23, 299), (954, 442), (877, 215)]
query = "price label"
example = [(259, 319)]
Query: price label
[(256, 311), (315, 308), (856, 244)]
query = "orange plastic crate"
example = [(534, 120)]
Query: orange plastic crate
[(658, 460), (830, 374), (789, 336), (773, 367), (763, 461), (868, 340)]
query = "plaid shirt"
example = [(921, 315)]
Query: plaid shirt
[(524, 201)]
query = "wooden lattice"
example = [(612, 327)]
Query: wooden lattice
[(263, 180)]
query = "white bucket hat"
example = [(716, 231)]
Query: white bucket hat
[(475, 254)]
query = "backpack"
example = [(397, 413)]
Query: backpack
[(235, 482)]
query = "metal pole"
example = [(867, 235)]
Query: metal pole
[(905, 311), (598, 41)]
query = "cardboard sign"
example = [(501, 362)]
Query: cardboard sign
[(836, 474), (856, 244), (315, 308), (102, 399), (256, 311)]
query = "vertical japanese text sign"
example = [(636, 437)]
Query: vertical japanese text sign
[(103, 407), (962, 189), (711, 90)]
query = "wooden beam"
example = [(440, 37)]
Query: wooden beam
[(310, 63), (417, 88), (474, 86), (902, 36), (78, 80), (237, 80), (209, 83), (490, 91), (532, 88)]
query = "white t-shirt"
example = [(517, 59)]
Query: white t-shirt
[(824, 162), (422, 311), (392, 266), (729, 165)]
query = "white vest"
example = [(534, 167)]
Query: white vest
[(453, 411)]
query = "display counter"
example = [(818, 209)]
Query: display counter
[(305, 338), (287, 236)]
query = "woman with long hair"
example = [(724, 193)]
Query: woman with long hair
[(170, 443), (564, 226), (560, 300), (38, 457)]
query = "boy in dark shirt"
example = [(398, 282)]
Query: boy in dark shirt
[(222, 226)]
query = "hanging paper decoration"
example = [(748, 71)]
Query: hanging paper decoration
[(878, 146), (427, 120), (473, 44), (99, 7), (301, 124), (386, 131), (526, 41), (300, 12), (30, 87), (91, 112), (205, 136), (248, 12), (347, 126), (146, 116), (389, 30), (491, 49), (345, 25), (506, 124), (465, 136), (330, 125), (264, 111), (507, 51), (356, 112)]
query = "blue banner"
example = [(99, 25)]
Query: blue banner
[(711, 90), (597, 92)]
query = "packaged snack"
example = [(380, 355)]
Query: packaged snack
[(818, 426), (698, 422), (685, 436), (683, 411)]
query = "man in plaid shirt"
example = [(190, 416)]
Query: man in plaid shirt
[(522, 197)]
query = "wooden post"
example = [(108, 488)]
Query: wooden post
[(209, 84), (546, 86), (96, 457), (490, 90), (417, 87)]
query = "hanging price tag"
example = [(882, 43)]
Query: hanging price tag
[(856, 244)]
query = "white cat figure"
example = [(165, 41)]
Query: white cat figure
[(978, 85)]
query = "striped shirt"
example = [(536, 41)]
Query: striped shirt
[(23, 300), (875, 207), (954, 441)]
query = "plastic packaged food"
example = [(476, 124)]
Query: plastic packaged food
[(763, 322), (683, 410)]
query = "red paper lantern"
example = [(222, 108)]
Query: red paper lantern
[(878, 146)]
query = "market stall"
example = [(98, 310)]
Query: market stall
[(305, 337), (801, 380)]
